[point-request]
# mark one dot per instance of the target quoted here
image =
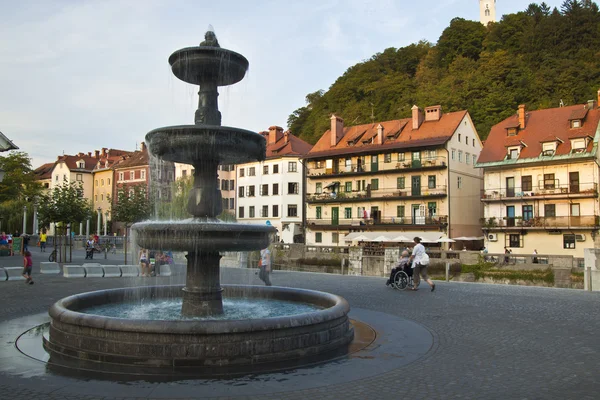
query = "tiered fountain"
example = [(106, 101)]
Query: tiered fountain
[(203, 337)]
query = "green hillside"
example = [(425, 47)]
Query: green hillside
[(537, 57)]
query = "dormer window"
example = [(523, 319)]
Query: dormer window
[(548, 149), (578, 145), (513, 153), (81, 164), (511, 132), (576, 123)]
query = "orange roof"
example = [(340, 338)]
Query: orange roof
[(542, 125), (286, 144), (44, 171), (397, 134), (71, 161), (138, 158)]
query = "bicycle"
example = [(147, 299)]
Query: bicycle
[(52, 257)]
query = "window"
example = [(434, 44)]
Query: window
[(56, 178), (318, 237), (335, 237), (231, 184), (432, 208), (459, 182), (108, 181), (400, 211), (348, 213), (526, 183), (292, 187), (575, 210), (576, 123), (319, 212), (474, 159), (453, 152), (348, 186), (527, 213), (460, 154), (276, 168), (131, 174), (387, 158), (514, 240), (225, 203), (348, 164), (292, 210), (400, 182), (143, 174), (79, 177), (96, 197), (265, 212), (473, 142), (549, 182), (81, 164), (251, 212), (319, 188), (548, 149), (549, 210), (241, 191), (96, 182), (467, 140), (292, 166), (459, 137), (265, 170), (375, 184), (232, 204), (252, 171), (431, 154), (242, 172), (467, 158), (568, 241), (101, 182), (264, 190), (400, 156), (431, 182), (102, 197), (121, 176), (251, 191), (275, 211), (511, 132), (578, 144), (275, 189), (241, 212)]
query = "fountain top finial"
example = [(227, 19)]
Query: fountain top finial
[(210, 39)]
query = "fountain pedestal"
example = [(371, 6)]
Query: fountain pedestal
[(202, 293)]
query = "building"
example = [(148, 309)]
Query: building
[(43, 175), (78, 168), (104, 180), (226, 181), (487, 11), (541, 180), (407, 177), (271, 191), (6, 144)]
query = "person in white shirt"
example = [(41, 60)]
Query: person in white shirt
[(265, 266), (417, 256)]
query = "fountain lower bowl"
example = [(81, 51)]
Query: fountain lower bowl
[(196, 235), (110, 344)]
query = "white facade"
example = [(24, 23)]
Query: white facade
[(270, 192), (226, 182), (487, 11)]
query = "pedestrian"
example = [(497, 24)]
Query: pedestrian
[(25, 242), (420, 261), (506, 258), (27, 267), (43, 238), (535, 259), (89, 248), (402, 265), (265, 266), (144, 262)]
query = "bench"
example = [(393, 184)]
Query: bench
[(14, 273), (165, 270), (73, 271), (112, 271), (93, 270), (49, 268), (129, 270)]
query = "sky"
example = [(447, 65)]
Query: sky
[(79, 75)]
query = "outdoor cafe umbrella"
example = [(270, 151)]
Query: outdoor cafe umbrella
[(401, 238), (445, 240), (381, 238)]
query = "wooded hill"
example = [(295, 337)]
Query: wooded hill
[(537, 57)]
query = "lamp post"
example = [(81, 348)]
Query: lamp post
[(105, 221), (34, 227), (24, 219), (98, 223), (87, 228)]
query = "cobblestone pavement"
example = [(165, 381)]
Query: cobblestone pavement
[(491, 341)]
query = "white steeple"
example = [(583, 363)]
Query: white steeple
[(487, 11)]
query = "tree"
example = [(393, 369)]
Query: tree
[(19, 182), (132, 205)]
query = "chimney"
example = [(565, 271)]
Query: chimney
[(286, 139), (80, 154), (89, 153), (433, 113), (96, 153), (337, 129), (274, 132), (417, 117), (380, 133), (522, 116), (143, 146), (591, 104), (104, 153)]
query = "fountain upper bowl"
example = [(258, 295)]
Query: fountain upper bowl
[(205, 64)]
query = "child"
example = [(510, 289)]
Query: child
[(27, 267)]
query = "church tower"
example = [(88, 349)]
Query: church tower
[(487, 11)]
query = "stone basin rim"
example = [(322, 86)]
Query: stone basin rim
[(205, 50), (201, 128), (339, 308)]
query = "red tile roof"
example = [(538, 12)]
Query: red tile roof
[(550, 123), (71, 161), (286, 144), (139, 158), (430, 133), (44, 171)]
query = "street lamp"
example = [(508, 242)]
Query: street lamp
[(24, 219), (98, 224), (105, 221)]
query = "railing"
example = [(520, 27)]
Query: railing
[(378, 193), (584, 221), (582, 189), (437, 220), (394, 165)]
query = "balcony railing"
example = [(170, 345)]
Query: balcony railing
[(542, 190), (342, 168), (583, 221), (356, 195), (436, 220)]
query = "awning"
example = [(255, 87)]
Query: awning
[(469, 238), (395, 236), (333, 184)]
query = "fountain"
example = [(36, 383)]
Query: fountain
[(201, 337)]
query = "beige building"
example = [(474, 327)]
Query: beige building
[(104, 179), (408, 177), (541, 180)]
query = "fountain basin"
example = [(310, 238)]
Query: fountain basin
[(201, 64), (190, 143), (196, 234), (107, 342)]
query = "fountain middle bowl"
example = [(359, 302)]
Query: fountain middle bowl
[(107, 343)]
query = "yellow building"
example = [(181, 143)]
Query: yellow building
[(541, 180), (408, 177), (104, 179)]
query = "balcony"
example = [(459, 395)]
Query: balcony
[(409, 193), (548, 191), (537, 223), (436, 222), (342, 169)]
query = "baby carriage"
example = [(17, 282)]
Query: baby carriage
[(403, 278)]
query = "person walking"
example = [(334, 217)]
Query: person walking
[(27, 267), (43, 238), (420, 260), (25, 243), (144, 262), (265, 266)]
